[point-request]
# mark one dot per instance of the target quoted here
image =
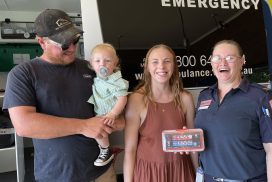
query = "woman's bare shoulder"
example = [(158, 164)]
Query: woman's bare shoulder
[(187, 99), (136, 98), (136, 107), (136, 95), (186, 95)]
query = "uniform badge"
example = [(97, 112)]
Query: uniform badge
[(204, 104)]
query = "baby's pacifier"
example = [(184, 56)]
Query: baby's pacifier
[(103, 71)]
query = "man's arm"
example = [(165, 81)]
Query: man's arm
[(28, 123), (268, 150)]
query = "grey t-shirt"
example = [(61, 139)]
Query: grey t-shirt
[(60, 91)]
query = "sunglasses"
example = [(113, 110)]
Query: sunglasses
[(64, 47)]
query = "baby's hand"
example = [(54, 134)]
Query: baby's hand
[(109, 119)]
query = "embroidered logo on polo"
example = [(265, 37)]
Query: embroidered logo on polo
[(87, 76), (204, 104)]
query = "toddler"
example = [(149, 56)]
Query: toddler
[(109, 93)]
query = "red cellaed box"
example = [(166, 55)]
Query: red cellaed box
[(183, 140)]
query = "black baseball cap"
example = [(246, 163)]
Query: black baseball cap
[(57, 26)]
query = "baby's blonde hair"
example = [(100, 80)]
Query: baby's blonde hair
[(105, 46)]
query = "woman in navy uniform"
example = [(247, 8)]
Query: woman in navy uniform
[(236, 118)]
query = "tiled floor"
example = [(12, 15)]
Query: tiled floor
[(29, 170)]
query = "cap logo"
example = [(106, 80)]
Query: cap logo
[(61, 23)]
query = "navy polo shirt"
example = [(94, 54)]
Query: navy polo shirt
[(235, 131)]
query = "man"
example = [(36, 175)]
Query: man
[(47, 101)]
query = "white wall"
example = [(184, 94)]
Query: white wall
[(91, 25)]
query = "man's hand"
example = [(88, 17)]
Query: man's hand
[(95, 128)]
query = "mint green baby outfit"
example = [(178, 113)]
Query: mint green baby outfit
[(106, 91)]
